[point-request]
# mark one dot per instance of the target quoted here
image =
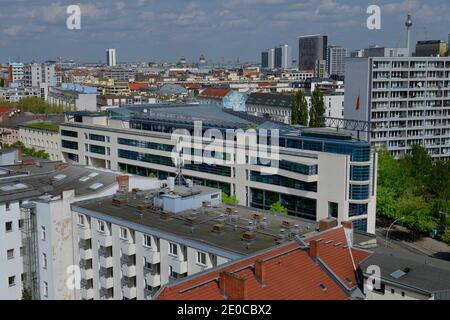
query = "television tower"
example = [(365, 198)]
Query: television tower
[(408, 25)]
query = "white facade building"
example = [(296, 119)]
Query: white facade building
[(406, 100), (40, 136), (308, 183), (111, 57)]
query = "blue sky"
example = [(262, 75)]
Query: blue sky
[(156, 30)]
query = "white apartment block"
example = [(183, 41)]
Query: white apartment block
[(321, 174), (406, 100), (17, 71), (37, 241), (74, 97), (36, 74), (18, 93)]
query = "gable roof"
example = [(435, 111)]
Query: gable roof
[(217, 93), (290, 273)]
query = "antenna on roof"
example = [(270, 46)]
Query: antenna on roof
[(179, 178)]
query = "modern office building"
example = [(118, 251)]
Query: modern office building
[(336, 60), (311, 49), (111, 57), (406, 100), (283, 57), (321, 173), (265, 60), (431, 48)]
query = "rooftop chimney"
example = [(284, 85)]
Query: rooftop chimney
[(260, 270), (61, 166), (326, 224), (234, 286), (124, 183), (314, 249)]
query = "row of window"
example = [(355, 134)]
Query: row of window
[(283, 181)]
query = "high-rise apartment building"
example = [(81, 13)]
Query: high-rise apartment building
[(406, 100), (336, 60), (111, 57), (37, 74), (16, 71), (311, 49)]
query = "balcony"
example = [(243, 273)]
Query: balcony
[(106, 262), (128, 249), (153, 278), (129, 270), (87, 293), (84, 233), (85, 253), (87, 273), (178, 266), (105, 240), (106, 282), (152, 257), (129, 292)]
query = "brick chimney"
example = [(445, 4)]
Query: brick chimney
[(61, 166), (314, 249), (124, 183), (233, 286), (260, 270), (327, 223)]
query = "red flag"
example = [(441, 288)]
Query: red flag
[(358, 104)]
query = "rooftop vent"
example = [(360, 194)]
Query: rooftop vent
[(258, 216), (264, 223), (230, 210), (206, 204), (249, 236), (191, 221), (165, 215), (219, 228), (118, 202), (221, 218), (282, 235), (287, 224), (250, 226)]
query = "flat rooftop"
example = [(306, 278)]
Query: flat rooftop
[(231, 221)]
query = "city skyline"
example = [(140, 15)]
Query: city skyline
[(146, 30)]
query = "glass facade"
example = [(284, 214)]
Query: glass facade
[(96, 137), (360, 173), (283, 181), (308, 170), (359, 192), (69, 144), (97, 149), (360, 225), (67, 133), (357, 209), (297, 206)]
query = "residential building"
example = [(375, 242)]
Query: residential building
[(406, 100), (278, 106), (311, 49), (297, 75), (42, 136), (39, 74), (74, 97), (37, 239), (336, 60), (308, 268), (16, 93), (321, 173), (407, 276), (213, 95), (17, 71), (178, 231), (431, 48), (379, 52), (111, 57)]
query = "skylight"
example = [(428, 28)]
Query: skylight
[(60, 177), (93, 175), (84, 179), (398, 274), (96, 186)]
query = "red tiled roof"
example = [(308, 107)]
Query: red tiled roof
[(136, 86), (191, 85), (290, 273), (335, 253), (215, 92)]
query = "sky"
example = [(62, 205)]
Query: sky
[(165, 30)]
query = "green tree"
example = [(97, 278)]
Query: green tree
[(386, 203), (295, 110), (416, 214), (317, 112), (229, 199), (278, 208), (303, 109)]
